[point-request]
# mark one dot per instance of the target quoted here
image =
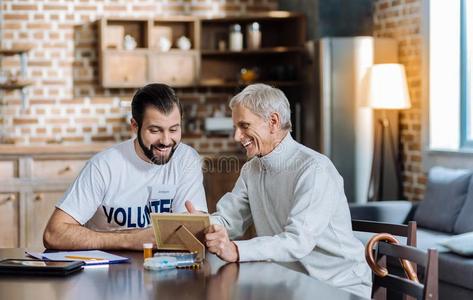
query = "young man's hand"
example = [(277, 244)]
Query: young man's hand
[(218, 242)]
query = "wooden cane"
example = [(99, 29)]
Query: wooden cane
[(381, 271)]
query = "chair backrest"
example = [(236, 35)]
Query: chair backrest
[(408, 231), (427, 259)]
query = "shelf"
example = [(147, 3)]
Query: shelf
[(232, 84), (264, 16), (136, 51), (18, 84), (15, 50), (15, 85), (283, 40), (143, 51), (272, 50)]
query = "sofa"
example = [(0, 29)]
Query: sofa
[(444, 221)]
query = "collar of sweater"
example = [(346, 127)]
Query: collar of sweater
[(280, 158)]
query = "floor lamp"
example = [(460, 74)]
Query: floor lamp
[(386, 89)]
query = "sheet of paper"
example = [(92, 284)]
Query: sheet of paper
[(90, 257)]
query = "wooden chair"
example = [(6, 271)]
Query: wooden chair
[(408, 231), (383, 279)]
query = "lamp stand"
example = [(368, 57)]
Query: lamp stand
[(383, 131)]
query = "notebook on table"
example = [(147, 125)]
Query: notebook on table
[(89, 257)]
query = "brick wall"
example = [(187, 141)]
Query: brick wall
[(401, 19), (66, 102)]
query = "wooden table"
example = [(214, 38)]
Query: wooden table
[(215, 280)]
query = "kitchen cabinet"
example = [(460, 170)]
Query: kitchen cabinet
[(33, 179), (9, 220), (176, 68), (39, 206), (154, 55), (125, 69), (134, 51), (278, 60)]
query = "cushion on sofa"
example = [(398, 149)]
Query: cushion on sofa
[(461, 244), (427, 239), (464, 222), (444, 198)]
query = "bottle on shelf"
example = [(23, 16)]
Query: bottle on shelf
[(253, 36), (236, 38)]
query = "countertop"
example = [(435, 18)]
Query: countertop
[(13, 149)]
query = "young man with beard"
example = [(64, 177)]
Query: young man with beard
[(293, 195), (108, 205)]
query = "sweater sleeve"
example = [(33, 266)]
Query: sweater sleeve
[(233, 209), (315, 194)]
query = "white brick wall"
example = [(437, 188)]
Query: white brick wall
[(401, 19), (66, 101)]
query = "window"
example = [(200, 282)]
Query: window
[(466, 30), (448, 138)]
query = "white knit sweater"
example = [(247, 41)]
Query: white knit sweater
[(295, 198)]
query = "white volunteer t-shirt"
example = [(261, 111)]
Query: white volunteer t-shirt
[(117, 189)]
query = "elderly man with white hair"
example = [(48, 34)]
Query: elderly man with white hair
[(293, 195)]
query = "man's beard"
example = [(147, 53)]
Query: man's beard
[(157, 160)]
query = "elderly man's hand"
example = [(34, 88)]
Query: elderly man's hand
[(218, 242), (191, 209)]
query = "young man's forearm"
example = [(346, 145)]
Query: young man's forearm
[(75, 237)]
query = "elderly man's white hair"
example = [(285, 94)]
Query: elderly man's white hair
[(263, 100)]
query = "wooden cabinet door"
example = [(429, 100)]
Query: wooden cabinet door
[(53, 168), (40, 206), (175, 68), (8, 169), (123, 69), (9, 220)]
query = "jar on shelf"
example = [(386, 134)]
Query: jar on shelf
[(253, 36), (236, 38)]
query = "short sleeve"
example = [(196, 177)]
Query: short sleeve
[(84, 195)]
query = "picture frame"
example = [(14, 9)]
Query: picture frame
[(166, 226)]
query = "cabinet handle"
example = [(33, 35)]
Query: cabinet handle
[(126, 78), (9, 198), (39, 197), (65, 170)]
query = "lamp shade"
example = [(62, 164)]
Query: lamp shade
[(386, 87)]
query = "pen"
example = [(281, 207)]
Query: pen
[(83, 257)]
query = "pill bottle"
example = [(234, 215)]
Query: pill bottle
[(147, 250)]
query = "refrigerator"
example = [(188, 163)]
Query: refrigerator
[(337, 122)]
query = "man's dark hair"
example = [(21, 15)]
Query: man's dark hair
[(157, 95)]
